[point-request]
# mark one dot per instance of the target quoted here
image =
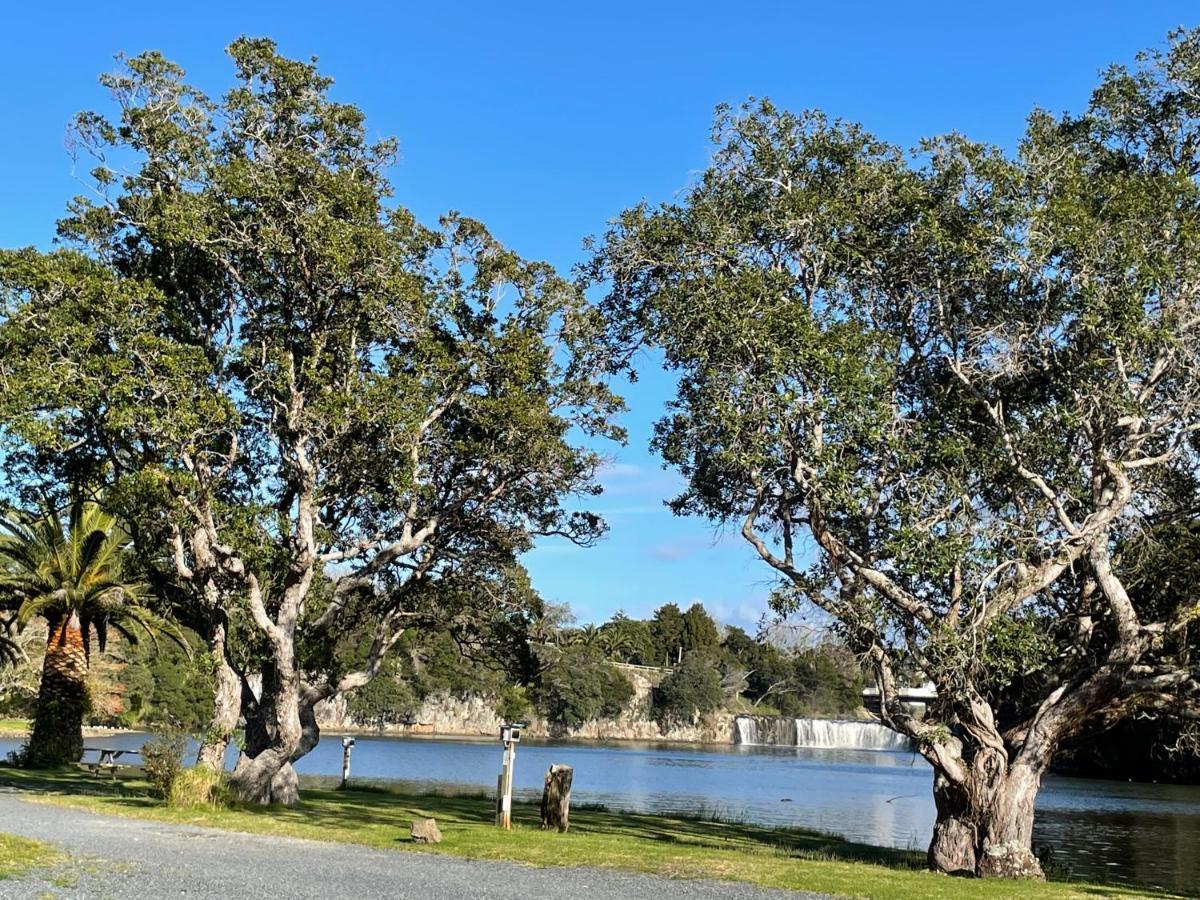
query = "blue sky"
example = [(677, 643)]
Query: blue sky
[(545, 120)]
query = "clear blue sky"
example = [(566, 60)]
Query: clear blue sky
[(546, 119)]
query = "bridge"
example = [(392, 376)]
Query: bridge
[(917, 698)]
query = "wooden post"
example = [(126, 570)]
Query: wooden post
[(556, 797)]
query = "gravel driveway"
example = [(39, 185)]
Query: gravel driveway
[(119, 857)]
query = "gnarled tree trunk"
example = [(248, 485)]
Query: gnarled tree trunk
[(227, 705), (984, 821), (264, 773), (63, 700), (1006, 850)]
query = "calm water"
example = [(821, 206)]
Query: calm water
[(1139, 833)]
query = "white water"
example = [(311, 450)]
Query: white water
[(822, 734)]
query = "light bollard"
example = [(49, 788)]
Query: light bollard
[(347, 746), (510, 735)]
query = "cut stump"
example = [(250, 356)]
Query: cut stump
[(556, 798)]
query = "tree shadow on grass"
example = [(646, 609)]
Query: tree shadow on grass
[(380, 815)]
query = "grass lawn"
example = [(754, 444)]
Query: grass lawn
[(18, 855), (11, 727), (673, 846)]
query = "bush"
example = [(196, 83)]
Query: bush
[(580, 687), (385, 699), (163, 758), (197, 787), (513, 704), (695, 687)]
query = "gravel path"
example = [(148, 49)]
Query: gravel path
[(118, 857)]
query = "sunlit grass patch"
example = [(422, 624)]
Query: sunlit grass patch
[(18, 855)]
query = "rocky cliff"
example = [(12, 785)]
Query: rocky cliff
[(475, 716)]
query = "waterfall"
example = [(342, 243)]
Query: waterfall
[(747, 730), (827, 734)]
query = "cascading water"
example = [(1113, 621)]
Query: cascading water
[(827, 734)]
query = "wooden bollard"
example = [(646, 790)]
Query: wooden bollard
[(556, 798)]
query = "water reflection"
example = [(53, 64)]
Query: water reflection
[(1139, 833)]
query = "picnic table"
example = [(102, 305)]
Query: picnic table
[(107, 758)]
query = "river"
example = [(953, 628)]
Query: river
[(1145, 834)]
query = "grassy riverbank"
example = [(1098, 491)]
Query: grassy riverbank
[(18, 855), (666, 845)]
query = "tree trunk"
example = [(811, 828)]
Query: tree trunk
[(264, 773), (227, 705), (955, 832), (984, 823), (63, 701), (556, 798), (1007, 847)]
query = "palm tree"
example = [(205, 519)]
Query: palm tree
[(614, 641), (588, 637), (73, 578)]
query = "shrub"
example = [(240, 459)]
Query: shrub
[(196, 787), (695, 687), (163, 758), (581, 686)]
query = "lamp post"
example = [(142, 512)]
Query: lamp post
[(510, 735), (347, 746)]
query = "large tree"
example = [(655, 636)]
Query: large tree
[(323, 409), (936, 391)]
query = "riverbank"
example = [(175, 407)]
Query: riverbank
[(19, 728), (675, 846)]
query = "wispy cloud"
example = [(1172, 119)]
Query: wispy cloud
[(616, 470), (678, 549)]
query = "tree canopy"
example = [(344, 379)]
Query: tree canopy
[(936, 390), (282, 377)]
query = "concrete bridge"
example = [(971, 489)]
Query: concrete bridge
[(915, 698)]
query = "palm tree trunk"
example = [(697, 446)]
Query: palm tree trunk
[(63, 699)]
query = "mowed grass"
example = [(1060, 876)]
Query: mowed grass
[(18, 855), (14, 727), (667, 845)]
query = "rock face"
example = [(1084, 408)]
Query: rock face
[(425, 831), (475, 716)]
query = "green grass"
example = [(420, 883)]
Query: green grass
[(18, 855), (10, 727), (675, 846)]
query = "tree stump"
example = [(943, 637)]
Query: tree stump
[(556, 797)]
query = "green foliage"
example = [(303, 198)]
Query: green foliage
[(162, 758), (699, 630), (161, 683), (631, 640), (54, 569), (669, 633), (513, 704), (386, 699), (694, 688), (824, 679), (581, 686)]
